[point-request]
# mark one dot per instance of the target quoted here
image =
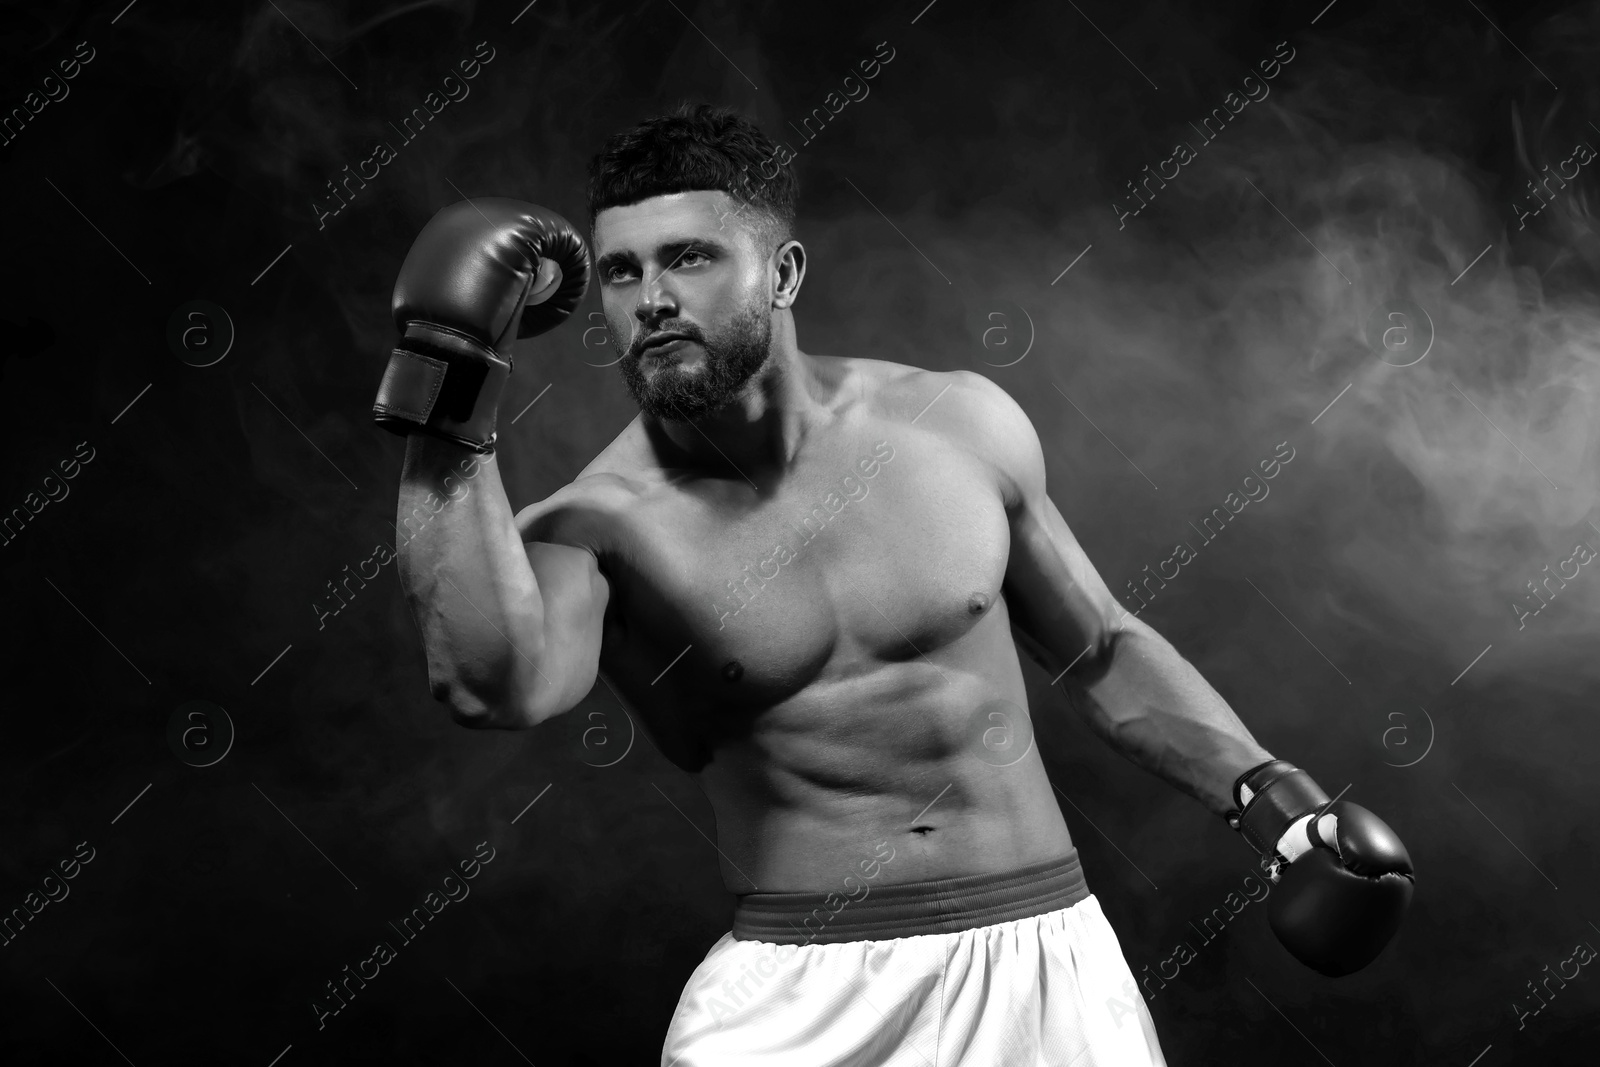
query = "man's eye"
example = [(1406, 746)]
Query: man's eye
[(617, 274), (692, 254)]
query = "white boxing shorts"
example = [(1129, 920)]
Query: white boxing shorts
[(1018, 969)]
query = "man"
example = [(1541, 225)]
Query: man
[(804, 573)]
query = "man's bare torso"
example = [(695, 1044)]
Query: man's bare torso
[(832, 693)]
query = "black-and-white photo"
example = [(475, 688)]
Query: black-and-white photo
[(700, 534)]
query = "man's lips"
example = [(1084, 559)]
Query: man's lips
[(662, 339)]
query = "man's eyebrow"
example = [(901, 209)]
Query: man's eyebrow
[(669, 249)]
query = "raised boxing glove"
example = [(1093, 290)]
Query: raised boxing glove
[(1343, 878), (466, 289)]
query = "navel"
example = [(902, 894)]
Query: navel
[(978, 603)]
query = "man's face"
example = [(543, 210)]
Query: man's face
[(688, 265)]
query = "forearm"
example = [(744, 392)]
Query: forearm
[(468, 582), (1150, 704)]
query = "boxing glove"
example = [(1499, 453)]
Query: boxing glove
[(1343, 878), (462, 295)]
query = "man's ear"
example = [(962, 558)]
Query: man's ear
[(789, 263)]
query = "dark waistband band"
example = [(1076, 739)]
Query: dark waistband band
[(937, 906)]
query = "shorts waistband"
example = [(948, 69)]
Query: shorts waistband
[(936, 906)]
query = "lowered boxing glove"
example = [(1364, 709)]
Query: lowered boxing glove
[(1343, 878), (470, 285)]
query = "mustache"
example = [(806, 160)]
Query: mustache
[(689, 330)]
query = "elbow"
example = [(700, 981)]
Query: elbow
[(1098, 657), (480, 711), (466, 708)]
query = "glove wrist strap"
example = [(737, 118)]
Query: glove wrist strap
[(1272, 799), (444, 383)]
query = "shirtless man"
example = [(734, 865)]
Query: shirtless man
[(804, 573)]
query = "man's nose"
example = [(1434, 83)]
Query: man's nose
[(655, 300)]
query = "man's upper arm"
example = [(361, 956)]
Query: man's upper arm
[(555, 533), (1054, 594)]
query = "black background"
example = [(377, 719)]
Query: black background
[(1336, 616)]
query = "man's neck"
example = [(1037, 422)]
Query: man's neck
[(764, 428)]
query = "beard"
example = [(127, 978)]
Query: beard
[(733, 356)]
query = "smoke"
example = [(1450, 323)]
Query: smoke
[(1362, 616), (1250, 299), (1445, 457), (967, 211)]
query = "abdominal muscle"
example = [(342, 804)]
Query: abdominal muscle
[(897, 755)]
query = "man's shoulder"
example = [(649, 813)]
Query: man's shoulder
[(875, 378), (902, 389), (960, 402), (971, 412)]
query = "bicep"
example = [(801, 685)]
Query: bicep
[(574, 593), (562, 535), (1054, 593)]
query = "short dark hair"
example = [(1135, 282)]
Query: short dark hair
[(697, 147)]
